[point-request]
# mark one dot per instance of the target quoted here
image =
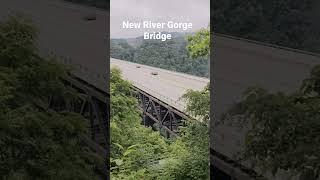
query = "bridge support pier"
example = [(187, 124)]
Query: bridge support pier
[(147, 121)]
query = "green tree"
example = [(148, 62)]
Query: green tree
[(199, 44), (198, 103), (16, 41)]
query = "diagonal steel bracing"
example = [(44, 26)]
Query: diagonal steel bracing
[(93, 105), (160, 115)]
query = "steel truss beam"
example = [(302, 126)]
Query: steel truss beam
[(160, 115), (93, 105)]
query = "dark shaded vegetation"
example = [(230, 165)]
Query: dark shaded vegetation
[(285, 128), (171, 54), (289, 23), (36, 142)]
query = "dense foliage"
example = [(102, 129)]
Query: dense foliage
[(36, 143), (285, 129), (134, 148), (120, 49), (199, 43), (171, 54), (290, 23)]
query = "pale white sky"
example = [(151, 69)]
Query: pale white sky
[(195, 11)]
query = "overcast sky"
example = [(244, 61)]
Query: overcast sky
[(195, 11)]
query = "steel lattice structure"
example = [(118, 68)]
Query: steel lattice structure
[(159, 115), (93, 105)]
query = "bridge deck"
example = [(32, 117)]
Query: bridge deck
[(63, 31), (167, 86), (240, 64)]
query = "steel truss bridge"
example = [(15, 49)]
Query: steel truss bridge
[(157, 113), (160, 94)]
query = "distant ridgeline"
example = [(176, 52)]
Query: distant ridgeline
[(289, 23), (171, 54), (104, 4)]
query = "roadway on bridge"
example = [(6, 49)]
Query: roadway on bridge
[(167, 86)]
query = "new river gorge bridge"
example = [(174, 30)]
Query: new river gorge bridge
[(160, 93), (78, 36)]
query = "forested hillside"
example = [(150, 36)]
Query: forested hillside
[(171, 54), (120, 49), (289, 23)]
